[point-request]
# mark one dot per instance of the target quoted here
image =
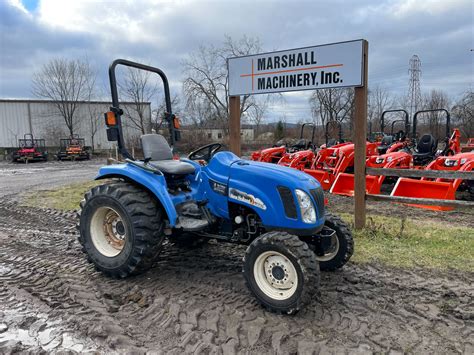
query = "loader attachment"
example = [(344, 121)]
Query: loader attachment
[(344, 184), (324, 177), (406, 187)]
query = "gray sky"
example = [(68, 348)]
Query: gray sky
[(163, 33)]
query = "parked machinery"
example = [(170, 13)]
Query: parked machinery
[(301, 154), (30, 149), (393, 141), (402, 155), (469, 146), (275, 154), (393, 152), (72, 148), (439, 188), (277, 212)]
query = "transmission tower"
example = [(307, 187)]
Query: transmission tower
[(414, 91)]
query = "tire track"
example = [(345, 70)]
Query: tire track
[(195, 301)]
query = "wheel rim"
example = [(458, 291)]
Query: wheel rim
[(275, 275), (108, 231), (332, 251)]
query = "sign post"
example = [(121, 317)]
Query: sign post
[(360, 98), (334, 65), (234, 124)]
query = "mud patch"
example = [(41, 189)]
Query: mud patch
[(196, 301)]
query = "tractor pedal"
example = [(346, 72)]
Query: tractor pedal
[(190, 209), (189, 224)]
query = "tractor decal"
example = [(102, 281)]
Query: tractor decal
[(218, 187), (247, 198)]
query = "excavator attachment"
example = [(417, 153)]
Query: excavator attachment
[(344, 184)]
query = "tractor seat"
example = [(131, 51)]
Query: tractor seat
[(426, 147), (156, 148), (331, 142), (385, 143)]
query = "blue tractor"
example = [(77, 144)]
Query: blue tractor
[(278, 212)]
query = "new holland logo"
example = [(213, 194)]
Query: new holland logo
[(247, 198)]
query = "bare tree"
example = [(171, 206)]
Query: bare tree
[(66, 82), (256, 113), (379, 101), (332, 104), (138, 88), (434, 122), (206, 82), (463, 114)]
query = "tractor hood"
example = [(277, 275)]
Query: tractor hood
[(269, 190)]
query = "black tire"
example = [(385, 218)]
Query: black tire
[(142, 226), (301, 258), (346, 244)]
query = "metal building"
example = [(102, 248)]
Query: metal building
[(43, 120)]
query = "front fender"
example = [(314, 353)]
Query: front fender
[(154, 183)]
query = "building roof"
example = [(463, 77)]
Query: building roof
[(81, 102)]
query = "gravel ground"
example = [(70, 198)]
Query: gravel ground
[(51, 299)]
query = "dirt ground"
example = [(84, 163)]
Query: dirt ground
[(51, 299)]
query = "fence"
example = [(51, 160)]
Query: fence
[(443, 174)]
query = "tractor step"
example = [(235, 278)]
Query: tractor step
[(190, 224)]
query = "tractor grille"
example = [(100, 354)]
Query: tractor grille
[(318, 197), (288, 201)]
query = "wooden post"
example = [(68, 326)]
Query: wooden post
[(360, 137), (234, 124)]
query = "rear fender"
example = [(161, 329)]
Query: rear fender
[(150, 181)]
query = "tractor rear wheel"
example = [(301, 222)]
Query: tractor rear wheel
[(281, 271), (121, 229), (342, 245)]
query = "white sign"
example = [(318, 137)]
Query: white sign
[(319, 67)]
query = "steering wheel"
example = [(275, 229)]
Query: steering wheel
[(205, 152)]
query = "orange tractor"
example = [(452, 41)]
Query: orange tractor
[(469, 147), (302, 153), (72, 148), (275, 154), (401, 154)]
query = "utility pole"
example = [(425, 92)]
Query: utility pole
[(414, 91)]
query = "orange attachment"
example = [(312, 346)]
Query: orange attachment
[(324, 177), (344, 185), (110, 119), (425, 189), (439, 188)]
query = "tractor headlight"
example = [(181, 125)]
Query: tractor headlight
[(308, 213), (389, 159), (379, 160), (463, 161)]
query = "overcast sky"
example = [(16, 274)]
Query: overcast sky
[(163, 33)]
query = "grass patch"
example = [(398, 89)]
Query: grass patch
[(408, 243), (65, 198), (388, 240)]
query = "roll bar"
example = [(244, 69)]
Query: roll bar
[(405, 113), (302, 130), (115, 133), (448, 119), (339, 125)]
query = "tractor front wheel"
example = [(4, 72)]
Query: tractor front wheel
[(281, 271), (341, 247), (121, 229)]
